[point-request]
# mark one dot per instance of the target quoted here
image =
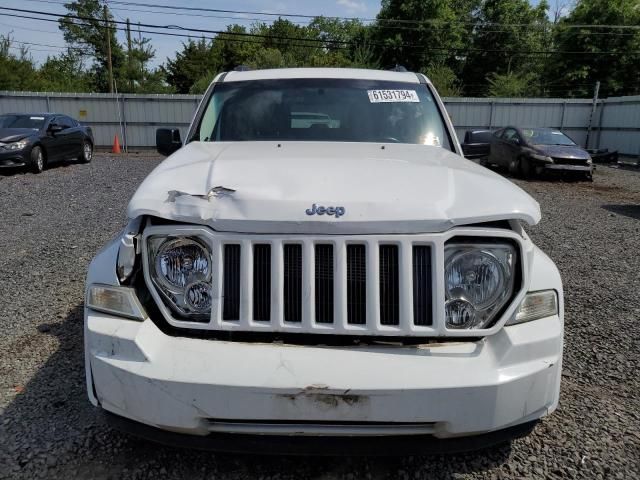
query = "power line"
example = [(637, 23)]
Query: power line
[(307, 42), (180, 35), (361, 19), (310, 18)]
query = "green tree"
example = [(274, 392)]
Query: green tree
[(296, 52), (268, 58), (90, 33), (17, 72), (64, 73), (504, 29), (509, 84), (444, 79), (194, 61), (617, 70), (444, 29), (234, 48)]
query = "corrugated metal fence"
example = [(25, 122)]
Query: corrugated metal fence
[(134, 118)]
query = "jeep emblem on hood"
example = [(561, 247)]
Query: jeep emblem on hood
[(320, 210)]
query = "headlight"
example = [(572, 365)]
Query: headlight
[(16, 145), (541, 158), (479, 280), (180, 267)]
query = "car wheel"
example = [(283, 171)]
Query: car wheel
[(38, 160), (526, 169), (87, 152)]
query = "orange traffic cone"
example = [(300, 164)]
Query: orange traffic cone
[(116, 144)]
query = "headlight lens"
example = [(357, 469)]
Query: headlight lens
[(16, 145), (542, 158), (479, 280), (181, 269)]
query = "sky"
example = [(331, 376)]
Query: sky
[(51, 41)]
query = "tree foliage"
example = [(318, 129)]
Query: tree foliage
[(466, 47), (611, 58), (507, 30)]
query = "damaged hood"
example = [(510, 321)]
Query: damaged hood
[(269, 187)]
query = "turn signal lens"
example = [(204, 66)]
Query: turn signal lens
[(536, 305), (121, 301)]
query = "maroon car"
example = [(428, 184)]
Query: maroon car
[(532, 151)]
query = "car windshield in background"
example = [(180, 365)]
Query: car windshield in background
[(537, 136), (34, 122), (323, 110)]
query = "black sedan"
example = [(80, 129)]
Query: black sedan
[(38, 139), (532, 151)]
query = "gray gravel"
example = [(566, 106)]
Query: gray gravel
[(53, 223)]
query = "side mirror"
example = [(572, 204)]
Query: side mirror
[(55, 128), (168, 140), (515, 141)]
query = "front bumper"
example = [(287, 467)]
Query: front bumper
[(323, 446), (203, 386), (569, 168), (13, 159)]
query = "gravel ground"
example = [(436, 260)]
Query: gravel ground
[(53, 223)]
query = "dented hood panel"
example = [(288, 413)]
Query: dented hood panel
[(390, 188)]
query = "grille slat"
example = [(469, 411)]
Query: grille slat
[(292, 265), (356, 285), (389, 291), (262, 282), (231, 283), (324, 283), (422, 285)]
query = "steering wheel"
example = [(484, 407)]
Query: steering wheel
[(389, 139)]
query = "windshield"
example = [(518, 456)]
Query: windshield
[(546, 137), (21, 121), (323, 110)]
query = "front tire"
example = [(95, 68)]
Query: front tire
[(87, 152), (526, 168), (38, 160)]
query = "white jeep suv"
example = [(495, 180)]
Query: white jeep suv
[(319, 270)]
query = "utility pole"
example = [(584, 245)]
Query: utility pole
[(593, 111), (108, 32), (129, 67)]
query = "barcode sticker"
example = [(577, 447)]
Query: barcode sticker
[(393, 96)]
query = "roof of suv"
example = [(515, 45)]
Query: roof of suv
[(346, 73)]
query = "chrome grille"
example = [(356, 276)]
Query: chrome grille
[(345, 286)]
